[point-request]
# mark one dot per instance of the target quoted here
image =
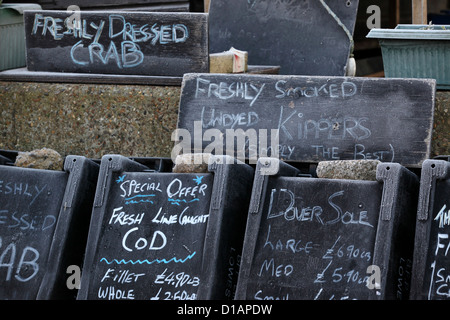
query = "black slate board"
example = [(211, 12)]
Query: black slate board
[(310, 238), (317, 118), (164, 235), (44, 218), (119, 42), (301, 36), (431, 256)]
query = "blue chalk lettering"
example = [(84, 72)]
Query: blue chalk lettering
[(37, 23), (184, 31), (131, 50), (165, 261), (198, 179), (72, 51), (177, 201), (140, 196)]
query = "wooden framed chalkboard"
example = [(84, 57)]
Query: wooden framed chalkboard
[(431, 260), (313, 238), (308, 119), (44, 218), (303, 37), (117, 42), (165, 235)]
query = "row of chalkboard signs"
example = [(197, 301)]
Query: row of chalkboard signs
[(139, 231)]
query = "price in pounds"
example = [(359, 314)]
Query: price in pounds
[(352, 252), (177, 280), (351, 276), (177, 295), (339, 275)]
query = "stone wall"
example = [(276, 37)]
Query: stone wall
[(88, 120), (441, 133)]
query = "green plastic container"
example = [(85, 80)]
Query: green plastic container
[(416, 51), (12, 34)]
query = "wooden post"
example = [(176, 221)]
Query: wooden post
[(419, 12), (394, 13)]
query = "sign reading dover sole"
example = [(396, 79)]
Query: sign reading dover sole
[(154, 44), (316, 118)]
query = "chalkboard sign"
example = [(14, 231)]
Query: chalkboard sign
[(308, 119), (164, 235), (311, 238), (136, 43), (304, 37), (44, 218), (431, 259)]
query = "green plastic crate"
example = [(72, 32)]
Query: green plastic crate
[(12, 34), (416, 51)]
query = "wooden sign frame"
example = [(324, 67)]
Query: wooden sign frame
[(311, 238), (315, 118), (117, 42)]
